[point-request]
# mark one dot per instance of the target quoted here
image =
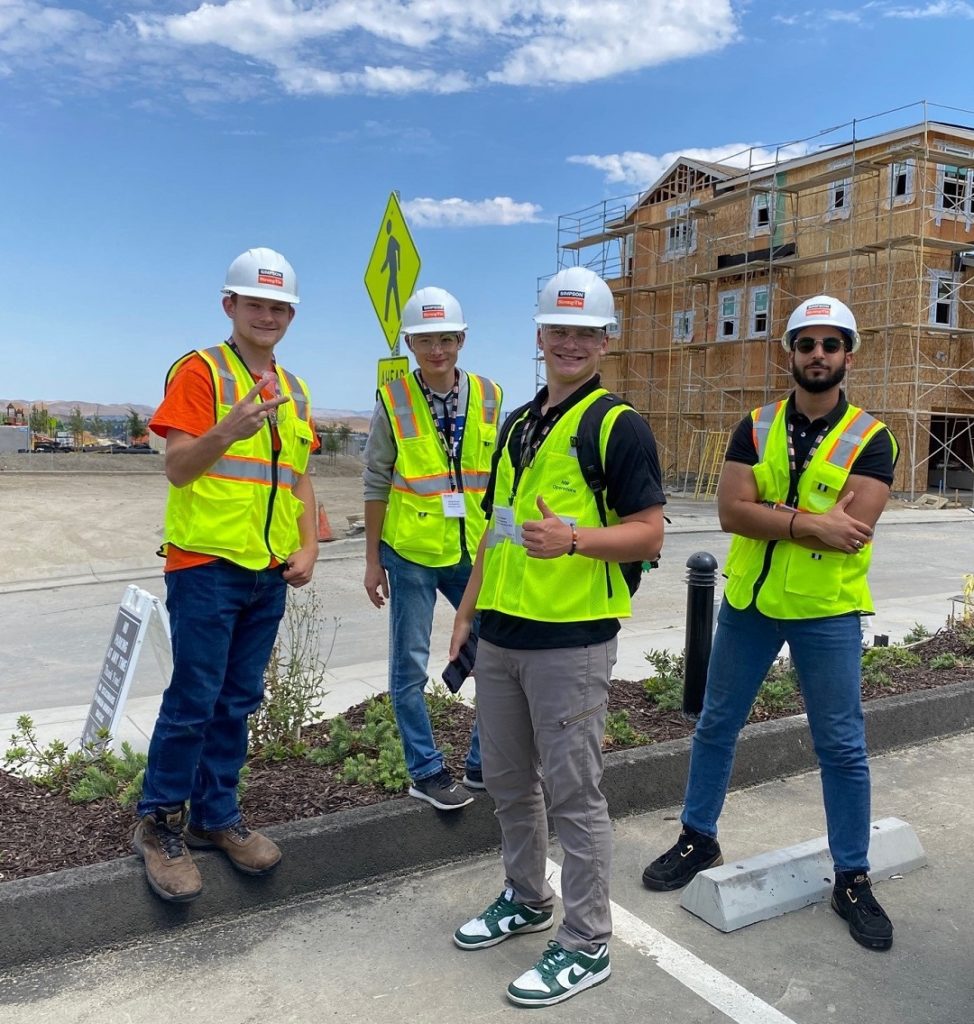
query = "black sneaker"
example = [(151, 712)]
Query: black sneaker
[(473, 778), (441, 791), (692, 853), (852, 899)]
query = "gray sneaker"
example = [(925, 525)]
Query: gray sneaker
[(441, 791)]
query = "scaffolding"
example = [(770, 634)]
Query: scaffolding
[(708, 263)]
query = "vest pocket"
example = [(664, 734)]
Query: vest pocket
[(814, 573), (420, 527)]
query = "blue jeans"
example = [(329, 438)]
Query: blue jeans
[(827, 654), (412, 595), (224, 621)]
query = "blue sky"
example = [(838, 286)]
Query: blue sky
[(145, 143)]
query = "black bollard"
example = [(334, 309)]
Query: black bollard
[(701, 578)]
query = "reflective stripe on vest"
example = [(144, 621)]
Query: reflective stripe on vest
[(490, 396), (439, 483), (762, 419), (852, 440), (403, 413)]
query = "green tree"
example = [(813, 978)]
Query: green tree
[(40, 419), (76, 427), (97, 425), (344, 433), (135, 426), (329, 440)]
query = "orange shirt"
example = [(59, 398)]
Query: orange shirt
[(189, 405)]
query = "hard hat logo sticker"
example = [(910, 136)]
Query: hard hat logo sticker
[(274, 277), (571, 297), (824, 309), (434, 313)]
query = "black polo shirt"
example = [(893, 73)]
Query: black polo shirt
[(876, 460), (633, 483)]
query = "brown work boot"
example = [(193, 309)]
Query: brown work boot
[(250, 852), (169, 865)]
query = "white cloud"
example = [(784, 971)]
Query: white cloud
[(464, 213), (383, 47), (582, 42), (642, 169), (941, 9)]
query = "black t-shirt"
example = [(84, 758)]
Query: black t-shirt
[(876, 460), (633, 483)]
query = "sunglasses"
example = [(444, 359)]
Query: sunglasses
[(808, 345)]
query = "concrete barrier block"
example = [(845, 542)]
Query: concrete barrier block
[(768, 885)]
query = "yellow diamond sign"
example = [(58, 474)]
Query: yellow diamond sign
[(393, 270)]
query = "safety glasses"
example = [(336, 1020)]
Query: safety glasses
[(807, 345)]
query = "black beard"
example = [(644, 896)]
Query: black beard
[(816, 385)]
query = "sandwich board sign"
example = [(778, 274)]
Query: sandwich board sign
[(140, 614)]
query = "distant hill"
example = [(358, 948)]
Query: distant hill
[(357, 420)]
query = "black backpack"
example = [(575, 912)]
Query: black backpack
[(588, 451)]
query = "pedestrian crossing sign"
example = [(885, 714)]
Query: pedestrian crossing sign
[(393, 270)]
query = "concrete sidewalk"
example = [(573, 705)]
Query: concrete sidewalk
[(381, 953)]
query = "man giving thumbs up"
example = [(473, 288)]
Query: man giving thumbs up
[(550, 590)]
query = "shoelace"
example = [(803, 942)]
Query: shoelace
[(171, 841), (553, 959), (503, 906), (240, 830)]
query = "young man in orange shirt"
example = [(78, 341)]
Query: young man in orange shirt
[(239, 529)]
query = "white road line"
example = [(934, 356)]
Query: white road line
[(721, 992)]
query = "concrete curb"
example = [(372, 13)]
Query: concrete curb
[(73, 911)]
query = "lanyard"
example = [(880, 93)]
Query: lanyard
[(533, 433), (792, 465), (275, 391), (449, 427)]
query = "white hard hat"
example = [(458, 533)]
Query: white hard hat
[(432, 311), (263, 274), (576, 296), (819, 311)]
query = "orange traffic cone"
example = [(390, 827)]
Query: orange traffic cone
[(324, 527)]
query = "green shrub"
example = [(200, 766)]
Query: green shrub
[(945, 661), (619, 731), (879, 664), (779, 691), (917, 632), (293, 680), (665, 688)]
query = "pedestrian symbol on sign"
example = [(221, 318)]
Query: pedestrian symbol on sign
[(393, 270)]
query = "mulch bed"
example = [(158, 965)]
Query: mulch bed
[(42, 832)]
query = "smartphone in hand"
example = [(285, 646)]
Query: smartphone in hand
[(461, 666)]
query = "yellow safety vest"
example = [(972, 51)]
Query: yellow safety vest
[(243, 508), (792, 581), (571, 588), (415, 525)]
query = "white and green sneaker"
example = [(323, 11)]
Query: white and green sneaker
[(558, 975), (502, 919)]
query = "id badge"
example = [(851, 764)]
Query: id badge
[(453, 506), (504, 523)]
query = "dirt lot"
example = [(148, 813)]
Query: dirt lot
[(63, 514)]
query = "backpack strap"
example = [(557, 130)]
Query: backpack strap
[(588, 448)]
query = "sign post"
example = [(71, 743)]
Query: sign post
[(390, 277), (140, 614)]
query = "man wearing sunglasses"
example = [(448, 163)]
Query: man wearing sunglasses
[(427, 462), (803, 485)]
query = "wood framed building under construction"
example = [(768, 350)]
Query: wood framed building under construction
[(708, 263)]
